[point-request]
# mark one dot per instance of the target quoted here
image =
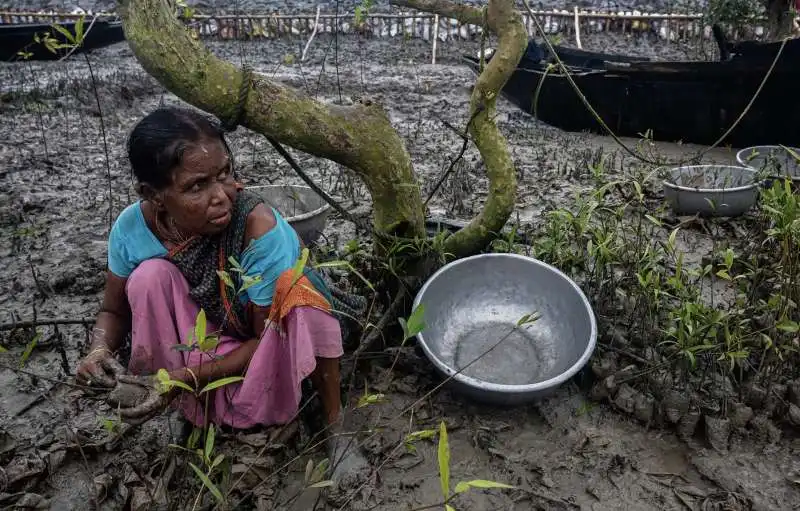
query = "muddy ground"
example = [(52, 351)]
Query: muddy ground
[(59, 159)]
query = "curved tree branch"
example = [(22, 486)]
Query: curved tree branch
[(359, 137), (504, 20)]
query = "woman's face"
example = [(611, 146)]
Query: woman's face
[(201, 195)]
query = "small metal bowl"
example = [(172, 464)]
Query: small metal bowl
[(773, 160), (472, 303), (711, 190), (302, 208)]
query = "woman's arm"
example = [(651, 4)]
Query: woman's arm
[(113, 321), (110, 328)]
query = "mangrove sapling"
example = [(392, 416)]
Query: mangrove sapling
[(684, 337), (523, 322), (443, 457), (411, 328)]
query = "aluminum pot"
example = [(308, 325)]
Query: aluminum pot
[(471, 310), (302, 208), (777, 162), (711, 190)]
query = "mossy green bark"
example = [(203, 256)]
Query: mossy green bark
[(504, 20), (359, 137)]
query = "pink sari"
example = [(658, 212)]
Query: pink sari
[(163, 316)]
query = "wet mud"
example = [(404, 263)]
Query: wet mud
[(63, 176)]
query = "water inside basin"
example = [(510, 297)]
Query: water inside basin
[(523, 356)]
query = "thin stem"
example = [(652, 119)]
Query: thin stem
[(105, 142)]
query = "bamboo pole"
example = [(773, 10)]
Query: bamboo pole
[(435, 38)]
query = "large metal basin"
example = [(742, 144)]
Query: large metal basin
[(301, 206), (772, 160), (711, 190), (473, 303)]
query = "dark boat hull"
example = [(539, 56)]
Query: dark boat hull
[(19, 39), (692, 102), (590, 59)]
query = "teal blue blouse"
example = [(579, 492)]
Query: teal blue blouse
[(131, 241)]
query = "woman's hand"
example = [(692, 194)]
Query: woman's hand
[(149, 401), (99, 368)]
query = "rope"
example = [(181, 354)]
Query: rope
[(239, 109), (547, 70), (613, 135)]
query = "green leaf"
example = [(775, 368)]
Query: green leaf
[(309, 471), (79, 30), (729, 255), (207, 483), (180, 385), (322, 484), (226, 278), (448, 507), (162, 375), (443, 453), (333, 264), (249, 282), (236, 266), (217, 461), (210, 437), (424, 434), (166, 383), (416, 321), (182, 347), (319, 470), (480, 483), (351, 246), (2, 349), (221, 383), (791, 152), (528, 318), (370, 399), (672, 236), (208, 344), (29, 349), (299, 266), (200, 326), (788, 326), (176, 446), (194, 437), (66, 33), (639, 192), (653, 220)]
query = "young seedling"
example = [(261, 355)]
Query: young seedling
[(443, 456), (315, 474), (29, 349), (415, 323), (370, 399), (247, 280)]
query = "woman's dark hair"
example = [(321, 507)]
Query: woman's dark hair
[(158, 141)]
